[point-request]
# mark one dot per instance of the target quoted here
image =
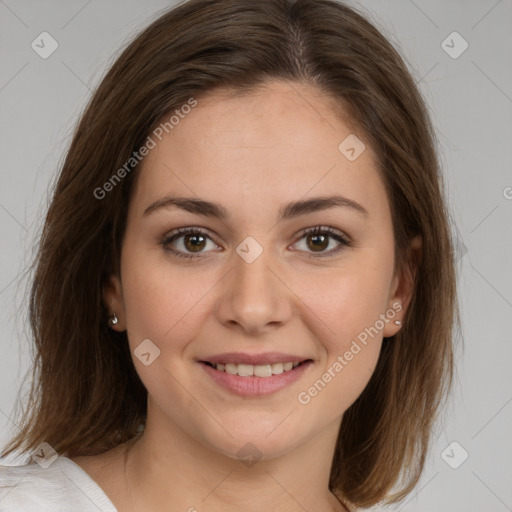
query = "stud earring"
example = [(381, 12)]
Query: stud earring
[(114, 319), (397, 322)]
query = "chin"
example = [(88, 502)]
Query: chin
[(255, 441)]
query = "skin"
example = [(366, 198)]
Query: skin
[(251, 154)]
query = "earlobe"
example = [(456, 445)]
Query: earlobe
[(403, 286), (114, 303)]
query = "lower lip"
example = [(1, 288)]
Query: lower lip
[(256, 386)]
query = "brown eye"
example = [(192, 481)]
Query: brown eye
[(194, 243), (318, 239), (317, 242), (187, 242)]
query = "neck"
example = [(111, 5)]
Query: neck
[(174, 472)]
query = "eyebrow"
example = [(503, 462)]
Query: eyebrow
[(291, 210)]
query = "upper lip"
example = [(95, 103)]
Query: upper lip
[(254, 359)]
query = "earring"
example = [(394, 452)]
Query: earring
[(397, 322), (114, 319)]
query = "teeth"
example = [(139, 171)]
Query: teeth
[(259, 370), (277, 368), (245, 370), (232, 369), (263, 370)]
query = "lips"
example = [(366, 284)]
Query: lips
[(255, 374)]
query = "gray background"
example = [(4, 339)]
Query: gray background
[(470, 98)]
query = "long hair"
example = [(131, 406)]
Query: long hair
[(86, 396)]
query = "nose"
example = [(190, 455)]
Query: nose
[(254, 297)]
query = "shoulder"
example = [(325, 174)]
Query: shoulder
[(31, 487)]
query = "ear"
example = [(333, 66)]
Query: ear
[(114, 302), (403, 285)]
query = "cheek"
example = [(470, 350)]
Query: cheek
[(162, 304), (160, 297), (344, 301), (345, 308), (346, 321)]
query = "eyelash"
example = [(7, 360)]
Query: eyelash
[(324, 230)]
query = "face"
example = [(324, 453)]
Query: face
[(264, 284)]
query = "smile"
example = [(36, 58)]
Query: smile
[(255, 380)]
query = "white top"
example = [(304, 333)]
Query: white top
[(61, 487)]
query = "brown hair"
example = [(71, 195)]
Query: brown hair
[(86, 396)]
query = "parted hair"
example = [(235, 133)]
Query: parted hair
[(86, 396)]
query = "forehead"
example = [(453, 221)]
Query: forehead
[(279, 142)]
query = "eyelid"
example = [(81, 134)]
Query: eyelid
[(324, 229)]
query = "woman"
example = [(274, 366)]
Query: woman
[(244, 295)]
